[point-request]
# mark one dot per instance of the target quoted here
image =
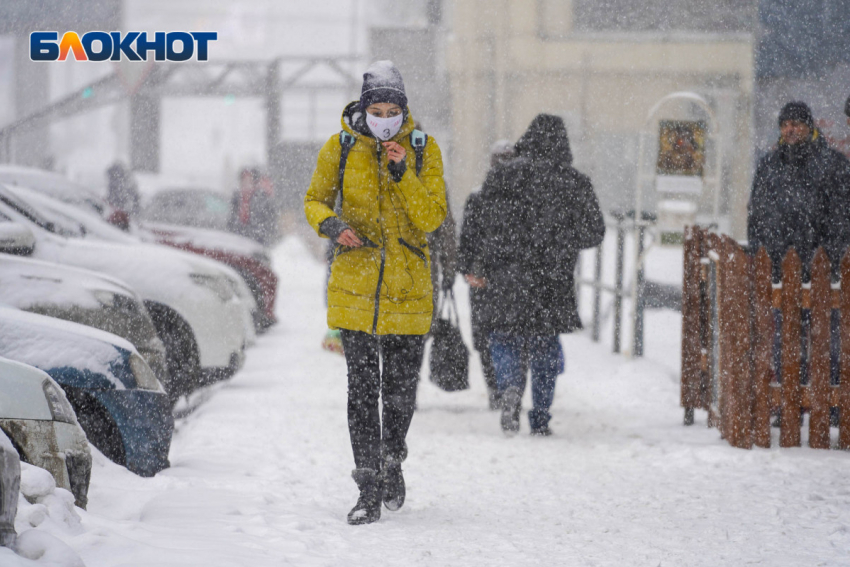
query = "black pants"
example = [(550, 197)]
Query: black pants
[(388, 366)]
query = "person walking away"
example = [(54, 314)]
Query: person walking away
[(379, 292), (539, 213), (468, 253), (122, 195)]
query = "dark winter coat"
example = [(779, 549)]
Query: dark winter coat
[(538, 213), (799, 200), (468, 259)]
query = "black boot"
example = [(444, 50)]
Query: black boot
[(368, 507), (511, 401), (394, 489), (494, 400), (538, 420)]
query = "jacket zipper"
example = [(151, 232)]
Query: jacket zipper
[(378, 291), (418, 252), (383, 251)]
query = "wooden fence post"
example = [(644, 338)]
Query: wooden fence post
[(691, 352), (821, 309), (735, 345), (792, 304), (762, 347), (706, 329), (844, 386)]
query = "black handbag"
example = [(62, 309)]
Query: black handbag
[(449, 357)]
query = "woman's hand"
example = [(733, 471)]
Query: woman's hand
[(395, 151), (348, 238), (475, 281)]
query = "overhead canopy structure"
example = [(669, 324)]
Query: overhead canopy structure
[(145, 90)]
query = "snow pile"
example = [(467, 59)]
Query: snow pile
[(46, 516)]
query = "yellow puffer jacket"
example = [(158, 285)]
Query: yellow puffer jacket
[(384, 287)]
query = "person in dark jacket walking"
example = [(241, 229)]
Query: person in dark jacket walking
[(799, 194), (468, 253), (539, 214)]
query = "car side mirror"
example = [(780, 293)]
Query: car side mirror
[(16, 238)]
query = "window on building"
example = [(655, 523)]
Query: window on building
[(555, 18)]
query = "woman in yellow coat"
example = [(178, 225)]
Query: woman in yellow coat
[(376, 197)]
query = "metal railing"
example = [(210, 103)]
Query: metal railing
[(622, 222)]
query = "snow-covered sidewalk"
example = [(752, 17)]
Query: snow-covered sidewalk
[(260, 472)]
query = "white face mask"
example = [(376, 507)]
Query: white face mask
[(384, 128)]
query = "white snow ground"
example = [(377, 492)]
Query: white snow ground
[(260, 472)]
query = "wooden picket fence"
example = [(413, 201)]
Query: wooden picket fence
[(728, 331)]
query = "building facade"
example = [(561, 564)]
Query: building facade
[(510, 60)]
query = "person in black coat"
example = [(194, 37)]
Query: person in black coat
[(467, 254), (539, 213), (800, 194)]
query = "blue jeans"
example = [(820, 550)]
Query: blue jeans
[(546, 360)]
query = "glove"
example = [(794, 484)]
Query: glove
[(397, 170), (332, 227)]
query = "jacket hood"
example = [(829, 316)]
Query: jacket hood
[(354, 122), (546, 139)]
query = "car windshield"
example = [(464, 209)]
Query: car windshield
[(27, 211), (189, 207)]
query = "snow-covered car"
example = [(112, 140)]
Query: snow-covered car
[(201, 208), (119, 402), (192, 301), (52, 184), (10, 483), (77, 222), (246, 256), (84, 297), (42, 425)]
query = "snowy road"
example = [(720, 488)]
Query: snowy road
[(260, 473)]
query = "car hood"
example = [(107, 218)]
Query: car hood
[(154, 271), (48, 344), (25, 282)]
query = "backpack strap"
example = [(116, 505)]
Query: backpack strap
[(346, 142), (418, 139)]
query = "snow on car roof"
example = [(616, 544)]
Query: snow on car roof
[(45, 342), (207, 238), (25, 282), (144, 266), (65, 216), (47, 182)]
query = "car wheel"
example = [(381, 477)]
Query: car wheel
[(99, 426), (181, 350)]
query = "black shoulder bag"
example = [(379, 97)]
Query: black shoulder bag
[(449, 357)]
